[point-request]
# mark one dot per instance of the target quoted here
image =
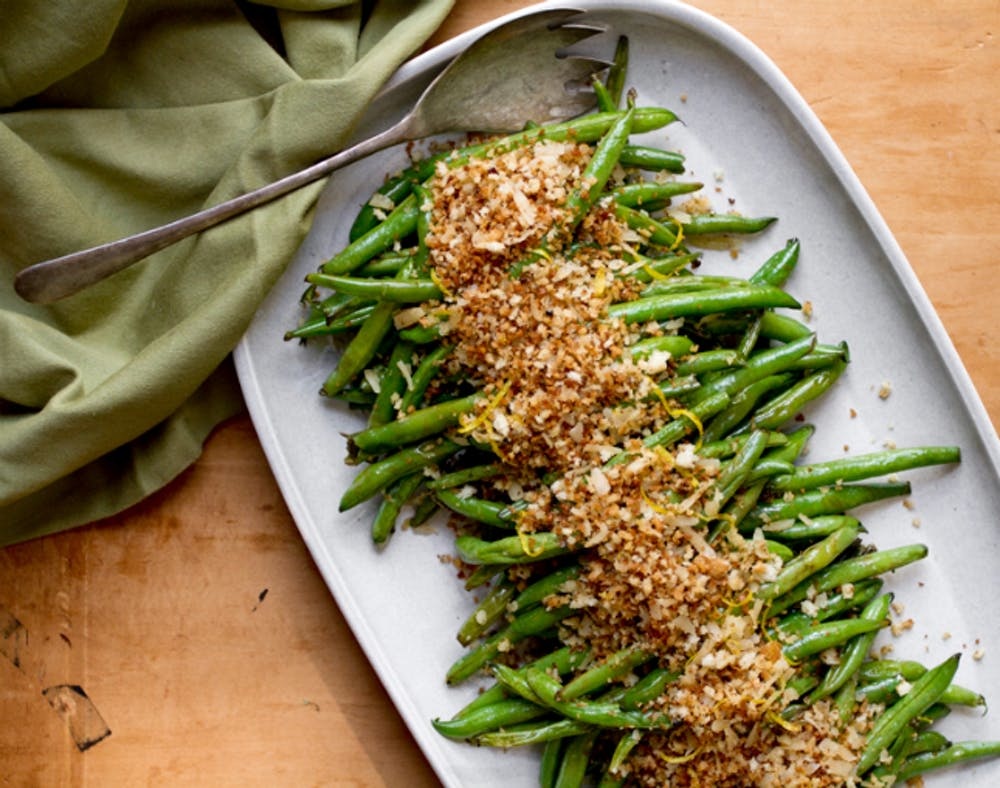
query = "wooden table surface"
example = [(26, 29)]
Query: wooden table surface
[(196, 622)]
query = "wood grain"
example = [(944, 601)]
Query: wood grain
[(197, 623)]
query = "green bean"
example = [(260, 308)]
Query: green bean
[(731, 445), (767, 468), (750, 338), (464, 476), (860, 594), (415, 426), (773, 326), (424, 507), (626, 743), (960, 752), (379, 475), (673, 344), (599, 168), (742, 403), (487, 612), (845, 700), (619, 664), (537, 733), (728, 223), (348, 321), (735, 472), (395, 189), (854, 652), (548, 766), (477, 509), (387, 264), (691, 283), (745, 500), (850, 570), (810, 561), (359, 397), (575, 758), (410, 291), (733, 514), (809, 527), (604, 101), (957, 695), (794, 444), (329, 307), (422, 377), (521, 549), (542, 589), (421, 335), (782, 551), (563, 660), (510, 512), (924, 692), (653, 231), (708, 361), (610, 781), (614, 83), (532, 622), (886, 690), (758, 366), (391, 385), (866, 466), (638, 195), (828, 635), (399, 224), (879, 669), (489, 718), (320, 325), (603, 714), (821, 357), (928, 741), (660, 268), (361, 349), (786, 406), (587, 128), (384, 522), (835, 500), (779, 266), (648, 688), (481, 575), (652, 159), (935, 713)]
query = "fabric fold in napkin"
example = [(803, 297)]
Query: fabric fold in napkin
[(121, 115)]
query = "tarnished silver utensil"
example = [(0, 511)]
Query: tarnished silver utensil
[(522, 70)]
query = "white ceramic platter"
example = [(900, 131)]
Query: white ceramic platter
[(752, 139)]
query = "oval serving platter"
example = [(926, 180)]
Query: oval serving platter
[(751, 137)]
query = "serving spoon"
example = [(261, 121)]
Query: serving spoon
[(523, 70)]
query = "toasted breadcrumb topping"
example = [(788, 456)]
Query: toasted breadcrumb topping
[(565, 397)]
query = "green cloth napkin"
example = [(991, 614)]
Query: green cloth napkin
[(120, 115)]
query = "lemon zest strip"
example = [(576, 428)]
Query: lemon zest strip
[(440, 285), (526, 542), (480, 420), (680, 758)]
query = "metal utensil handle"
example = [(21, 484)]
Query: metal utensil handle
[(49, 281)]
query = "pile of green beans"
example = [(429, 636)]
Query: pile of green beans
[(741, 374)]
